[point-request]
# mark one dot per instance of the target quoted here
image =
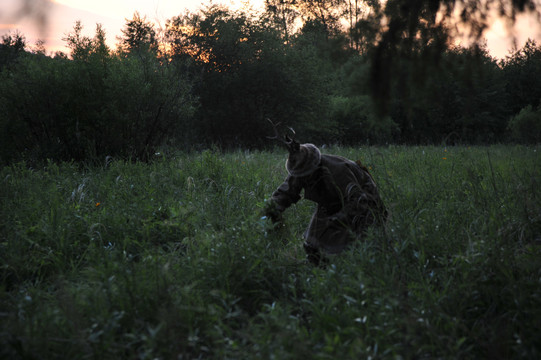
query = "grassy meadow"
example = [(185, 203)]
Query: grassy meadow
[(171, 260)]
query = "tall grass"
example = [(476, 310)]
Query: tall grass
[(171, 259)]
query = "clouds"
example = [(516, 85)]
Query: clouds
[(501, 36), (51, 20)]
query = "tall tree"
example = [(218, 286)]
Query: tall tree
[(522, 71), (138, 33), (284, 14), (11, 47), (247, 73), (364, 20), (80, 45), (423, 29), (328, 12)]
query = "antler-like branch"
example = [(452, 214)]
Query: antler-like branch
[(291, 144), (277, 135)]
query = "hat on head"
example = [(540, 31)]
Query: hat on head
[(304, 161)]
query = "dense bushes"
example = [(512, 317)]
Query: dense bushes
[(246, 74), (95, 105), (357, 122), (214, 76), (526, 126)]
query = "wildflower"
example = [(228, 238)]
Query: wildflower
[(98, 204), (444, 158)]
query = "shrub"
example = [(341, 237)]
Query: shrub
[(526, 126), (358, 121), (94, 105)]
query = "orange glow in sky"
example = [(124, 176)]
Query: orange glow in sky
[(62, 15)]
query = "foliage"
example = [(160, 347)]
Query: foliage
[(358, 122), (92, 106), (457, 100), (170, 259), (422, 30), (10, 48), (522, 68), (526, 126), (343, 72), (138, 34), (246, 75)]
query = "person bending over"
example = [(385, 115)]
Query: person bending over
[(347, 198)]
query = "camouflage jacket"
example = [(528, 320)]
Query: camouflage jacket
[(347, 197)]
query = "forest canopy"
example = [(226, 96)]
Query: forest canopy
[(337, 71)]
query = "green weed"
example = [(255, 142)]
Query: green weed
[(171, 259)]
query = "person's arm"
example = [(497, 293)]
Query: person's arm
[(288, 193)]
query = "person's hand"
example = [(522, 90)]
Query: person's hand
[(272, 212)]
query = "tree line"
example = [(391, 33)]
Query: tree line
[(332, 70)]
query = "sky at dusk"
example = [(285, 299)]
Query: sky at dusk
[(112, 14)]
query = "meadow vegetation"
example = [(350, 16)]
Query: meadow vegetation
[(171, 259)]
